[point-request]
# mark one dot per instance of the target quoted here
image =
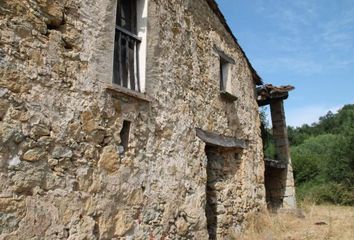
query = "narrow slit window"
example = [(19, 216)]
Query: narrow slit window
[(124, 135)]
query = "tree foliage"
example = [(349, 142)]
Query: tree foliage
[(323, 158)]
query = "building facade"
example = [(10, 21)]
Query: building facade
[(125, 120)]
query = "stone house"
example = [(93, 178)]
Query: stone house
[(126, 119)]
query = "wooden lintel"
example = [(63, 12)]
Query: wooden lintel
[(217, 140), (224, 56), (228, 96)]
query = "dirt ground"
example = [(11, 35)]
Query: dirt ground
[(325, 222)]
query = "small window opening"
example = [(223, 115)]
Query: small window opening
[(124, 136), (224, 72), (225, 67)]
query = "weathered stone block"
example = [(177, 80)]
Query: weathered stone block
[(109, 159), (39, 130), (62, 152), (88, 121), (33, 155), (123, 224), (4, 105), (53, 11)]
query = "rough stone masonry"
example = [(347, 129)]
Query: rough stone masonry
[(81, 158)]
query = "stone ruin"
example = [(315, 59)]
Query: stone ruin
[(124, 119)]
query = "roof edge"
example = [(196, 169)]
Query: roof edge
[(214, 6)]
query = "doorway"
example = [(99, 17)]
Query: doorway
[(275, 185), (221, 169)]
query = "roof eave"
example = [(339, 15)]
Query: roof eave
[(214, 6)]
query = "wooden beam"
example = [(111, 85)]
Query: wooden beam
[(275, 163), (267, 101), (224, 56)]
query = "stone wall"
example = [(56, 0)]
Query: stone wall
[(63, 173)]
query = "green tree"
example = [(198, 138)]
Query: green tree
[(323, 158)]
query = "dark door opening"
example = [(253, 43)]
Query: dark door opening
[(275, 185), (221, 168), (211, 195)]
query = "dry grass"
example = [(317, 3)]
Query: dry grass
[(317, 222)]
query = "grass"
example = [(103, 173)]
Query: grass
[(324, 222)]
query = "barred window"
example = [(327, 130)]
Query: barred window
[(126, 47)]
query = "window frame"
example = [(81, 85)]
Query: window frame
[(126, 49), (225, 69)]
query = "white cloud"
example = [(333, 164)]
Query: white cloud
[(292, 64), (308, 114)]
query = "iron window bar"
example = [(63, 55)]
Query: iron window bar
[(126, 32), (126, 72)]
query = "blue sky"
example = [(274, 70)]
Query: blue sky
[(306, 43)]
